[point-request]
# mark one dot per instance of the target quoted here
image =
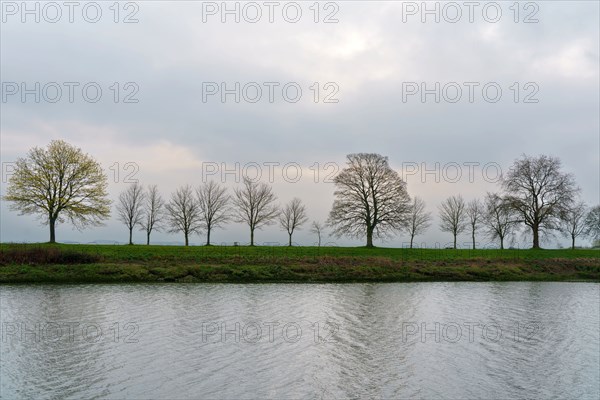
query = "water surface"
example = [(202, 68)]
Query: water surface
[(400, 340)]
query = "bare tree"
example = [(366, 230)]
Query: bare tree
[(499, 218), (539, 192), (573, 220), (292, 216), (371, 199), (592, 223), (418, 219), (183, 213), (474, 212), (214, 206), (318, 229), (130, 207), (254, 205), (453, 216), (59, 183), (153, 212)]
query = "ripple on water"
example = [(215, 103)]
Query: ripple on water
[(155, 342)]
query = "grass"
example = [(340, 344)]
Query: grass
[(33, 263)]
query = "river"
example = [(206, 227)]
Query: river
[(389, 340)]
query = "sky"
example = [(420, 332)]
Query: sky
[(182, 92)]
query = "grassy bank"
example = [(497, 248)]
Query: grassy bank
[(33, 263)]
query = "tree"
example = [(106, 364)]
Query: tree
[(254, 205), (474, 213), (153, 212), (130, 207), (318, 229), (418, 219), (183, 213), (539, 192), (453, 216), (371, 199), (214, 206), (292, 216), (59, 183), (573, 222), (499, 218), (592, 223)]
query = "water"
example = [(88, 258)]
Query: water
[(421, 340)]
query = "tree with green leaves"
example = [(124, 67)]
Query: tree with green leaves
[(59, 183)]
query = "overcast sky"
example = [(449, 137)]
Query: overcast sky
[(370, 67)]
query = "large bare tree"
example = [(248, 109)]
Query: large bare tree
[(592, 223), (254, 204), (418, 219), (370, 199), (292, 217), (453, 216), (573, 222), (59, 183), (153, 212), (499, 218), (474, 213), (214, 206), (318, 229), (539, 192), (183, 212), (130, 207)]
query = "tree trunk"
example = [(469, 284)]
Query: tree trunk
[(501, 242), (455, 241), (130, 236), (369, 237), (290, 242), (536, 237), (573, 242), (187, 243), (473, 240), (148, 238), (208, 236), (52, 222), (251, 237), (411, 241), (319, 240)]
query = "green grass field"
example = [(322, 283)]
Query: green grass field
[(30, 263)]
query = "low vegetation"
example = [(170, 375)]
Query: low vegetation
[(62, 263)]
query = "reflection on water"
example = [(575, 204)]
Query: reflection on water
[(417, 340)]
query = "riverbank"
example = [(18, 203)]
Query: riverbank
[(72, 263)]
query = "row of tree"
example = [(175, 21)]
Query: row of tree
[(61, 183), (207, 207)]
